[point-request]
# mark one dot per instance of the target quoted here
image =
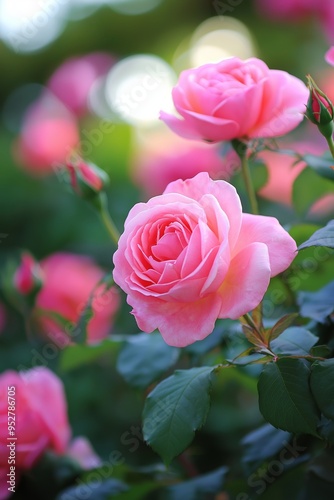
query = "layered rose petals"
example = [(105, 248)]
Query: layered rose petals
[(191, 256), (236, 99)]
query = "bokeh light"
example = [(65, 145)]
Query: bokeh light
[(138, 87), (29, 25), (214, 40)]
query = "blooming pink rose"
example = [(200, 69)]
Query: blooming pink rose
[(40, 419), (49, 134), (166, 157), (191, 256), (72, 81), (69, 281), (236, 99)]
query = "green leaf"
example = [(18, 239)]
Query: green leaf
[(321, 351), (285, 399), (295, 341), (263, 443), (326, 429), (74, 356), (144, 358), (322, 386), (320, 164), (175, 409), (200, 487), (317, 305), (101, 490), (323, 237), (281, 325), (308, 188)]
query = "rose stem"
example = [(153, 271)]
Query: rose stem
[(241, 150), (107, 220), (330, 145)]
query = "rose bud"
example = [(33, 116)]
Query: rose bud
[(28, 278), (319, 109), (86, 179)]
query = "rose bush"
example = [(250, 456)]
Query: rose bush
[(81, 276), (236, 99), (191, 256), (40, 419)]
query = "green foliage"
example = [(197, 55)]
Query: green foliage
[(175, 409), (308, 188), (75, 356), (322, 165), (317, 305), (144, 358), (295, 341), (285, 399), (198, 488), (322, 386), (324, 237)]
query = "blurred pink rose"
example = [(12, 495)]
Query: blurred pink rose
[(81, 450), (295, 10), (72, 81), (2, 317), (40, 419), (282, 173), (329, 56), (166, 157), (49, 134), (69, 280), (236, 99), (191, 256)]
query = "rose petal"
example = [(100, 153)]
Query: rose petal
[(281, 247), (180, 324), (246, 282)]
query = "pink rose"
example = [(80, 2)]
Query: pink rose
[(72, 81), (49, 134), (69, 280), (167, 157), (40, 419), (236, 99), (191, 256)]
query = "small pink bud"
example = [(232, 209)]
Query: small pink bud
[(86, 179), (28, 276), (319, 109)]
